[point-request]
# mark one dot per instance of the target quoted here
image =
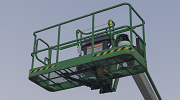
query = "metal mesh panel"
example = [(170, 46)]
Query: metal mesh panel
[(114, 67)]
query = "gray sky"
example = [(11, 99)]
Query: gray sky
[(20, 18)]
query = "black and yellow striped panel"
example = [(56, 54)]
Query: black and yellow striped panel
[(42, 69), (119, 49)]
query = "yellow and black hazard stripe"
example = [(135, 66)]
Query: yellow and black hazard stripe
[(42, 69), (110, 51)]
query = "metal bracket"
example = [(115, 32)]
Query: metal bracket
[(36, 42), (35, 49)]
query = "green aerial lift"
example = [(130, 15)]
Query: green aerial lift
[(108, 54)]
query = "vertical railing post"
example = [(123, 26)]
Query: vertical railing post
[(50, 55), (33, 51), (130, 16), (143, 30), (92, 46), (58, 41), (81, 40)]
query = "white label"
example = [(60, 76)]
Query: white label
[(97, 47)]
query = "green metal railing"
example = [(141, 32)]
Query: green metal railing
[(77, 42), (57, 47)]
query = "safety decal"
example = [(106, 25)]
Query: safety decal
[(119, 49), (42, 69)]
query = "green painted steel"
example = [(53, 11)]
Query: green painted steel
[(36, 74), (120, 61), (58, 41)]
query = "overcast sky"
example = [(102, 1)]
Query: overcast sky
[(20, 18)]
